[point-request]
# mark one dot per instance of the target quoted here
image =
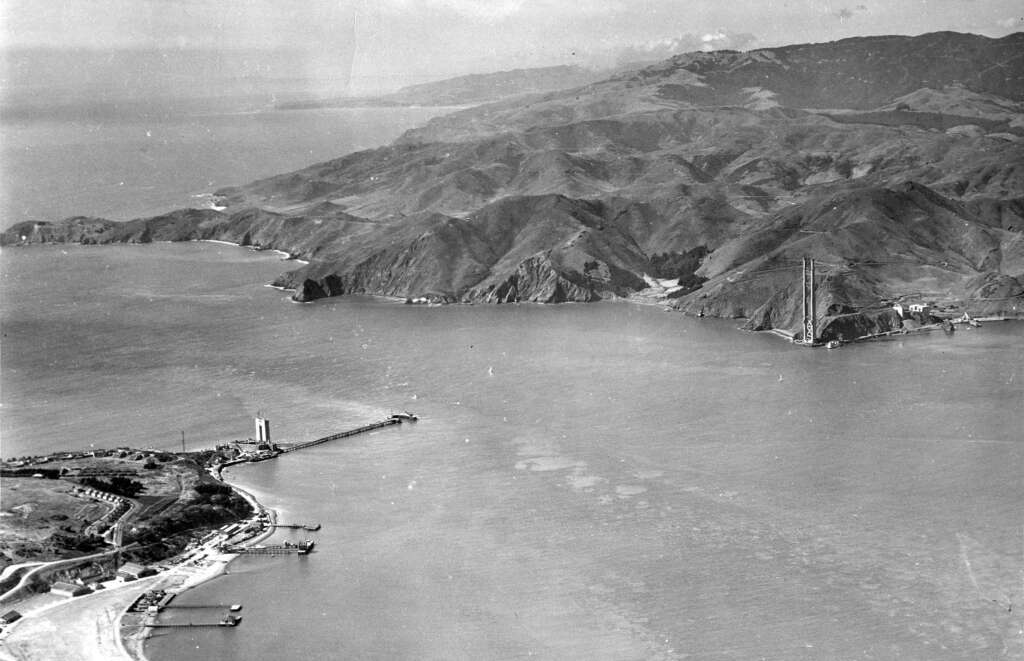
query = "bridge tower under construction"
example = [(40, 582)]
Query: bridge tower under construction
[(262, 430), (807, 327)]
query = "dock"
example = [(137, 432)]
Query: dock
[(301, 548), (395, 419), (229, 621), (296, 526)]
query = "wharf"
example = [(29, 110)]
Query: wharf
[(395, 419), (302, 548), (190, 624), (296, 526), (229, 621)]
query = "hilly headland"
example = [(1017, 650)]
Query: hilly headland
[(472, 89), (700, 183)]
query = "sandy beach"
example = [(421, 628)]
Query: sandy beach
[(83, 628), (130, 629), (96, 627)]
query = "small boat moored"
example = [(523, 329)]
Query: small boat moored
[(230, 621)]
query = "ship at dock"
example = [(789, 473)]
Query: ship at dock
[(304, 547), (230, 621)]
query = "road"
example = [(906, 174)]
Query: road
[(79, 629)]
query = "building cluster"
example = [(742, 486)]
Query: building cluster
[(91, 579), (919, 312), (92, 576), (230, 536), (63, 589), (151, 602), (36, 460), (42, 460), (248, 450), (257, 449), (133, 571), (10, 617), (120, 506)]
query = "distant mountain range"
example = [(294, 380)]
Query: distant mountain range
[(468, 90), (896, 162)]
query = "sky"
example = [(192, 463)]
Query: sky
[(365, 46)]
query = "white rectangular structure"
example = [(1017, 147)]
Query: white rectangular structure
[(262, 430)]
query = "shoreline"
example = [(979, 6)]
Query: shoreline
[(654, 295), (285, 255), (99, 627), (133, 637)]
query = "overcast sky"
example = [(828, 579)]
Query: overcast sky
[(374, 44)]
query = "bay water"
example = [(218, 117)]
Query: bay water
[(133, 160), (602, 481)]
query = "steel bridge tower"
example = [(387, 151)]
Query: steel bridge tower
[(807, 329)]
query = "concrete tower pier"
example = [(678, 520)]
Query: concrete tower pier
[(262, 430)]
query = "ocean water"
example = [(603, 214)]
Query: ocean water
[(586, 481), (135, 160)]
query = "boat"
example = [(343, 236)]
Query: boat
[(832, 344), (969, 320), (405, 415), (230, 621)]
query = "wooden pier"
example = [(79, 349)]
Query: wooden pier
[(229, 621), (301, 548), (296, 526), (190, 624), (396, 419)]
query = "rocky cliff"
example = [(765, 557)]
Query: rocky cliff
[(895, 162)]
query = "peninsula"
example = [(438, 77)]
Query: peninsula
[(119, 524), (894, 162)]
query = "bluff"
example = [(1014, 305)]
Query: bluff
[(895, 162)]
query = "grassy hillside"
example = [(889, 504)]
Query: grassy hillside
[(894, 161)]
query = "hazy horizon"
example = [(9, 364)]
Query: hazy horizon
[(123, 49)]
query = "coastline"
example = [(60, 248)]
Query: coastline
[(285, 255), (133, 636), (98, 627)]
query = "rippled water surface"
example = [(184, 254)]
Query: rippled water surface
[(586, 482)]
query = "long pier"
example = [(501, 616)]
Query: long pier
[(229, 621), (266, 550), (190, 624), (301, 548), (296, 526), (396, 419)]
